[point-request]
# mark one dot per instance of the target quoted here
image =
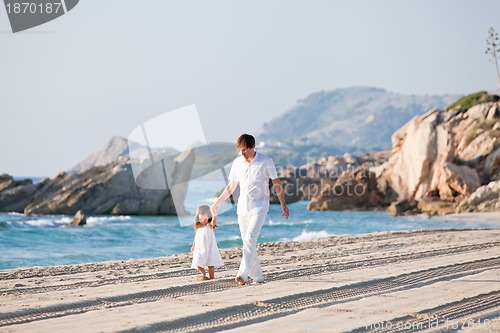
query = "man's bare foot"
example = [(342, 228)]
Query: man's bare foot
[(261, 281), (240, 280)]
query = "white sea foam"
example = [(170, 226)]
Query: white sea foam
[(305, 235), (42, 223), (16, 214), (229, 223), (233, 237), (287, 222), (94, 220)]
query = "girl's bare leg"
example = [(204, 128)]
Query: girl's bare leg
[(211, 272), (202, 272)]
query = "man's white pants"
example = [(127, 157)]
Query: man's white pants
[(250, 226)]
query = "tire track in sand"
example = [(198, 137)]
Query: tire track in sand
[(248, 313), (233, 317), (470, 312)]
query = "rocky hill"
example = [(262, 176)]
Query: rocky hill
[(357, 119), (111, 151), (118, 179), (441, 162), (441, 159), (102, 184)]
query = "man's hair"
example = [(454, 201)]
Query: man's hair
[(246, 140)]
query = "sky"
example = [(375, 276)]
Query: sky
[(108, 66)]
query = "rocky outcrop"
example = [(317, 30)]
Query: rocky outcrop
[(297, 189), (315, 180), (434, 206), (109, 189), (477, 138), (116, 148), (456, 181), (16, 195), (326, 167), (485, 199), (79, 220), (441, 158), (492, 164), (402, 207), (440, 163), (353, 190)]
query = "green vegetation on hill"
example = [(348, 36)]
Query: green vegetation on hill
[(469, 101)]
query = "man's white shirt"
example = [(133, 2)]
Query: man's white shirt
[(253, 178)]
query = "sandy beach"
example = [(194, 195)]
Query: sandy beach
[(439, 280)]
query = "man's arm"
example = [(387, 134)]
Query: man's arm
[(228, 190), (278, 189)]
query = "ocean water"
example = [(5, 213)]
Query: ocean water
[(27, 241)]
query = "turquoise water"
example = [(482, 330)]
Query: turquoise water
[(44, 241)]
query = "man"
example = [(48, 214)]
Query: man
[(252, 170)]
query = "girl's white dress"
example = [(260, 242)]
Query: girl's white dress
[(206, 253)]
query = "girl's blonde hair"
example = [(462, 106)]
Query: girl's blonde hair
[(203, 209)]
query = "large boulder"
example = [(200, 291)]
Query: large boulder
[(492, 164), (443, 157), (457, 181), (476, 137), (308, 181), (353, 190), (485, 199), (403, 207), (296, 189), (479, 143), (326, 167), (419, 149), (79, 220), (432, 206)]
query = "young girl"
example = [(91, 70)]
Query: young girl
[(205, 250)]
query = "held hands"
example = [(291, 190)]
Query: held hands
[(214, 207)]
